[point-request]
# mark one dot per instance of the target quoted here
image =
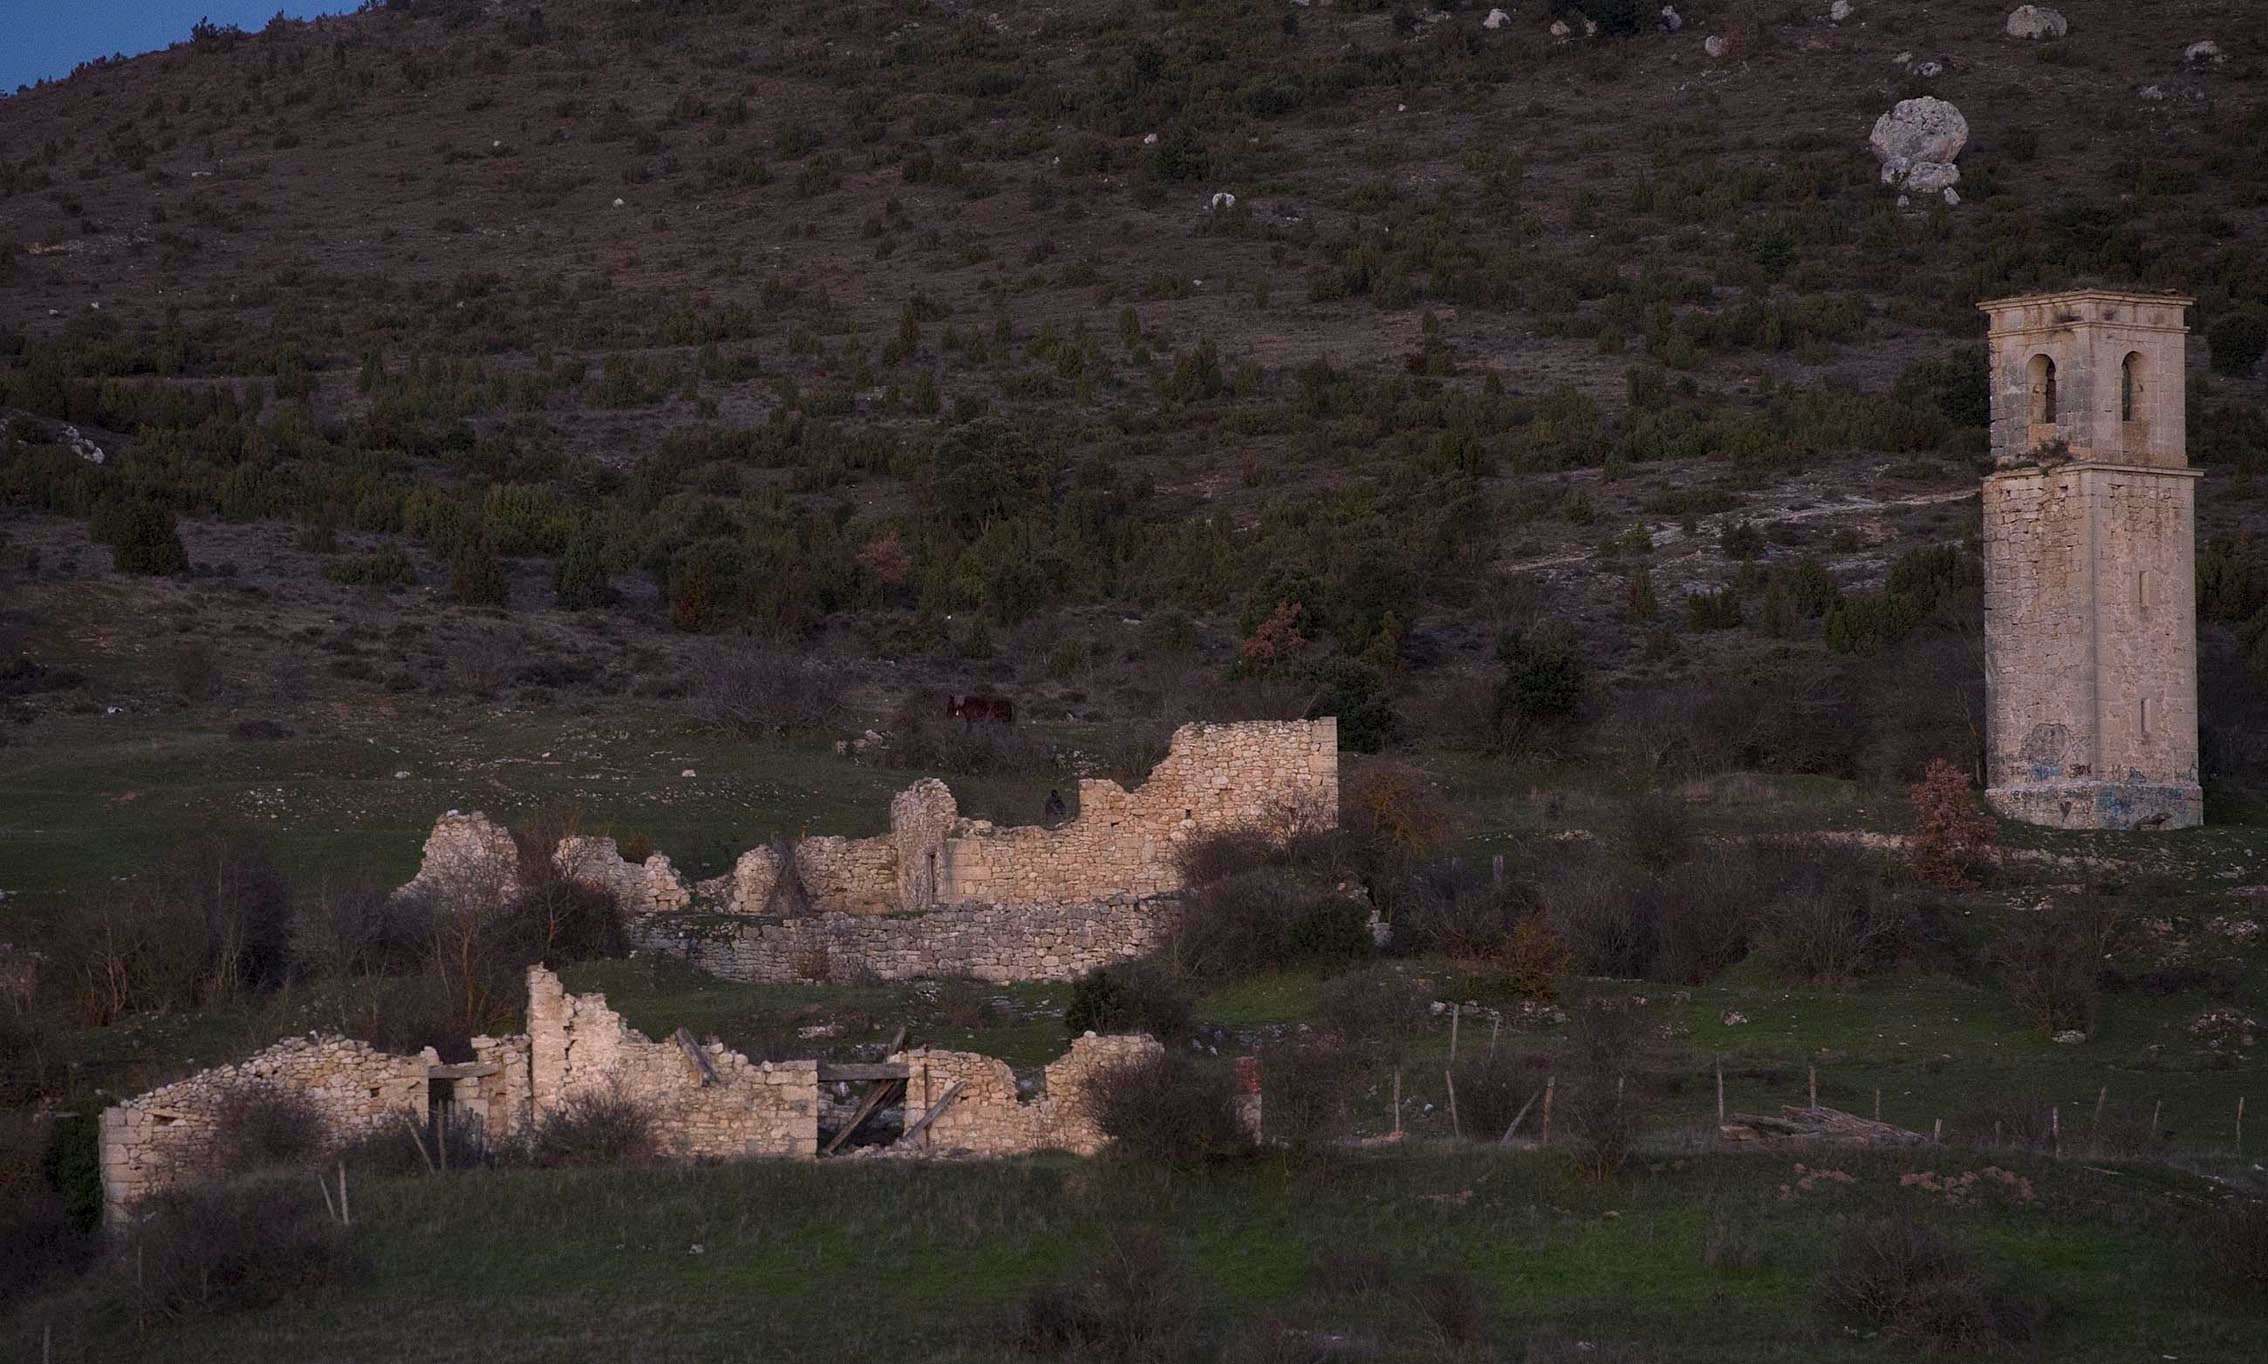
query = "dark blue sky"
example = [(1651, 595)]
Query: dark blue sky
[(46, 38)]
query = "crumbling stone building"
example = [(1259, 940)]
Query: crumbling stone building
[(707, 1102), (2089, 525)]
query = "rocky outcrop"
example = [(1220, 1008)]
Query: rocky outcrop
[(2037, 21), (1917, 143)]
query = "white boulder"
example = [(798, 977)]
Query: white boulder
[(1842, 10), (1560, 30), (1917, 143), (1716, 46), (1672, 21), (1222, 199), (2037, 21), (2196, 54), (1496, 19)]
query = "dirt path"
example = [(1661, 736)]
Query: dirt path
[(1670, 536)]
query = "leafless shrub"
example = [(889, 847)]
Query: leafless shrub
[(1230, 852), (1143, 995), (1375, 1012), (1611, 1044), (2240, 1247), (1444, 912), (1494, 1088), (208, 924), (1654, 830), (1131, 1310), (814, 963), (196, 676), (265, 1127), (2006, 1124), (922, 736), (359, 929), (2052, 962), (1903, 1280), (1237, 926), (1454, 1323), (1829, 923), (760, 693), (964, 1003), (595, 1127), (1168, 1111), (211, 1248), (1140, 1314), (406, 1145), (39, 1240), (1307, 1085)]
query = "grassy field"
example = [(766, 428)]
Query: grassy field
[(1689, 1258)]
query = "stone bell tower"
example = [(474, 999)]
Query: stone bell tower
[(2090, 564)]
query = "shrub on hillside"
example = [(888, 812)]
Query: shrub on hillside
[(2051, 960), (596, 1127), (2238, 340), (923, 736), (359, 929), (389, 567), (1830, 923), (1391, 814), (1131, 996), (265, 1127), (1493, 1088), (1375, 1012), (209, 1248), (1903, 1280), (1307, 1086), (1237, 926), (1950, 831), (2240, 1247), (39, 1239), (1130, 1311), (760, 693), (143, 539), (1169, 1111), (1612, 1042), (206, 926), (1329, 931)]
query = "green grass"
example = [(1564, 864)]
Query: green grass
[(841, 1262)]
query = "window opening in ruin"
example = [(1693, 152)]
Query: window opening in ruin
[(2130, 388), (2144, 589), (2043, 390), (2145, 715), (929, 890)]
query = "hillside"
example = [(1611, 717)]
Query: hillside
[(893, 332)]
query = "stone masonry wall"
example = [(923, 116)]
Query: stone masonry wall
[(987, 1117), (578, 1046), (164, 1137), (1276, 775), (985, 942)]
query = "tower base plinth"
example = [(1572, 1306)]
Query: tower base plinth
[(2100, 804)]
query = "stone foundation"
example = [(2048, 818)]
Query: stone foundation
[(2101, 804), (998, 943)]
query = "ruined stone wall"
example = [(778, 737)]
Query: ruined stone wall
[(986, 942), (848, 875), (988, 1117), (165, 1137), (1274, 775), (578, 1046)]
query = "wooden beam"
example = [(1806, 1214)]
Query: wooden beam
[(878, 1097), (698, 1057), (936, 1110), (832, 1071), (463, 1070)]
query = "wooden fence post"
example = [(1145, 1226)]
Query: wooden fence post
[(1551, 1082)]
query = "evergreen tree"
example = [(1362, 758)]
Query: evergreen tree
[(476, 576), (581, 580), (147, 541)]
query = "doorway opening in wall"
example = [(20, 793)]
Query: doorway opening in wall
[(2130, 376), (929, 884), (2145, 717)]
